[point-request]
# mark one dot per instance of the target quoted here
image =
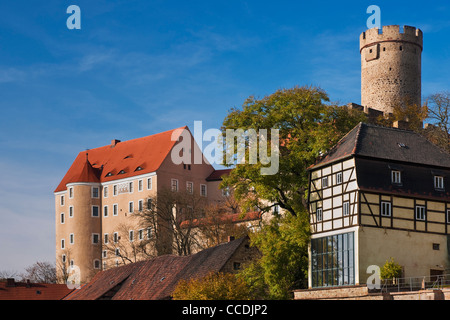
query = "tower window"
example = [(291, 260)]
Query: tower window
[(401, 48), (94, 211)]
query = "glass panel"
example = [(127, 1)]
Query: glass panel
[(332, 260)]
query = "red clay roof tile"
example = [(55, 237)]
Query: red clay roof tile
[(147, 153)]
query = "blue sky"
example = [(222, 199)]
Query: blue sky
[(141, 67)]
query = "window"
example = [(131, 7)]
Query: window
[(62, 200), (226, 192), (149, 184), (70, 192), (141, 205), (71, 238), (116, 237), (385, 209), (62, 243), (420, 213), (130, 187), (319, 214), (436, 246), (149, 203), (131, 235), (448, 215), (131, 206), (105, 192), (117, 252), (174, 185), (339, 178), (438, 182), (346, 208), (115, 210), (203, 190), (189, 187), (105, 211), (396, 177), (63, 258), (115, 190), (94, 192), (95, 238), (236, 266), (141, 234), (332, 260), (276, 209), (95, 211), (105, 238), (140, 182), (62, 218), (149, 233), (105, 254), (70, 211), (325, 182)]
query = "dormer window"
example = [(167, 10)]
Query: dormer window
[(396, 177), (138, 168), (121, 171), (109, 174), (439, 182)]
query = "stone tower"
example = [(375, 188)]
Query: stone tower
[(390, 67)]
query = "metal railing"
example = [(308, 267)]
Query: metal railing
[(416, 283)]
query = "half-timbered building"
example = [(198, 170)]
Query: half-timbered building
[(379, 193)]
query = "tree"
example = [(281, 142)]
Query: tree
[(307, 128), (407, 111), (40, 272), (167, 214), (438, 106), (283, 243), (130, 246), (390, 270), (213, 286)]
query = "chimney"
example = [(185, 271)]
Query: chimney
[(114, 142), (28, 283), (10, 282), (401, 124)]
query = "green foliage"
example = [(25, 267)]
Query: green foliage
[(391, 270), (307, 128), (214, 286), (284, 262)]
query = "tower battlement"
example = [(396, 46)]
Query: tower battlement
[(391, 33)]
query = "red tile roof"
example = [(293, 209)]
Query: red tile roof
[(155, 279), (105, 163), (217, 174), (33, 291), (226, 218)]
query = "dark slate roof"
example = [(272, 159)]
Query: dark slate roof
[(417, 181), (392, 144), (155, 279)]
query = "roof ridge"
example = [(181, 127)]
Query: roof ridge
[(358, 134)]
